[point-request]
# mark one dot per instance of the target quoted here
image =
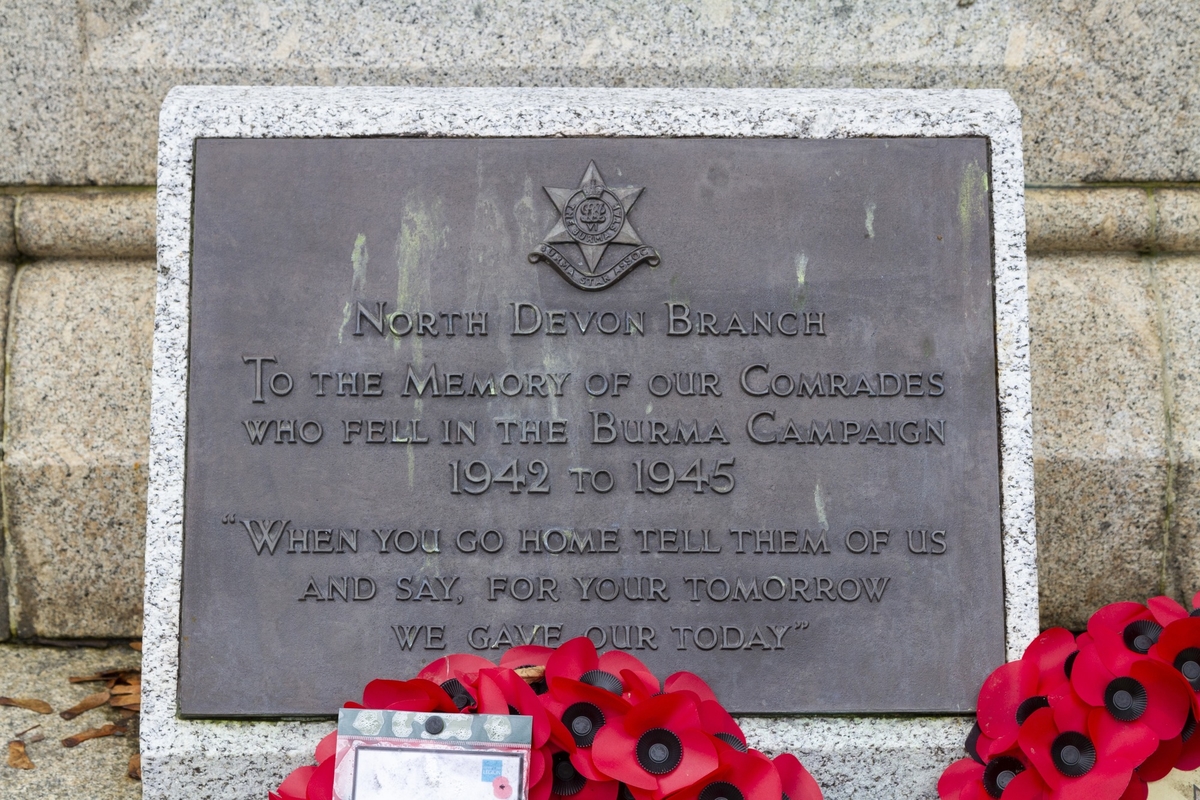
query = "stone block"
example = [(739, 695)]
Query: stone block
[(77, 443), (1179, 286), (95, 770), (6, 277), (8, 239), (1109, 91), (1100, 432), (116, 224), (1178, 219), (1087, 219)]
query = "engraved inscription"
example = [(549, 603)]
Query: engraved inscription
[(769, 452)]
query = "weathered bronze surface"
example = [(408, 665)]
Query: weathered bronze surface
[(767, 453)]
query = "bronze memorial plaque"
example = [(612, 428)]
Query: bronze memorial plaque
[(728, 404)]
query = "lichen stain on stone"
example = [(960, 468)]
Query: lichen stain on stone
[(526, 214), (420, 243), (870, 209), (972, 200), (801, 293), (819, 503), (358, 261)]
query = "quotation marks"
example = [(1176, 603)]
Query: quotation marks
[(228, 519), (800, 626)]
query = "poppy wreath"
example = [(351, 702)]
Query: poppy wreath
[(604, 728), (1097, 716)]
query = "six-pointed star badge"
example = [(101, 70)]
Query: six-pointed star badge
[(592, 217)]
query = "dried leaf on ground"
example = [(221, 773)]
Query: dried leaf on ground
[(531, 674), (31, 703), (86, 704), (93, 733), (135, 766), (21, 734), (17, 757), (136, 646), (34, 738), (127, 701), (127, 688), (127, 674)]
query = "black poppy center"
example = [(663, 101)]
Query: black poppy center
[(659, 751), (733, 741), (1030, 705), (1069, 663), (458, 693), (1188, 663), (1073, 754), (566, 780), (602, 680), (1141, 634), (435, 725), (583, 720), (721, 791), (1189, 727), (1125, 699), (999, 772)]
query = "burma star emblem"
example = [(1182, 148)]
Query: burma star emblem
[(593, 218)]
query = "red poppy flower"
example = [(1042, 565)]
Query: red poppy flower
[(295, 785), (1006, 699), (1070, 711), (1079, 765), (1179, 646), (583, 711), (577, 659), (502, 691), (719, 723), (713, 716), (1146, 693), (1166, 610), (415, 695), (539, 774), (327, 747), (1161, 761), (1015, 690), (566, 781), (688, 681), (657, 748), (740, 775), (1007, 775), (1049, 652), (455, 674), (526, 655), (1136, 790), (320, 785), (311, 783), (977, 743), (1123, 633), (797, 783)]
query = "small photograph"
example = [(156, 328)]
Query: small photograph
[(382, 755)]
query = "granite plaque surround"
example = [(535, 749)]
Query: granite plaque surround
[(734, 380)]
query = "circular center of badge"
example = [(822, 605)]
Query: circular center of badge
[(593, 215)]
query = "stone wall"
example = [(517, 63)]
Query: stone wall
[(1110, 93)]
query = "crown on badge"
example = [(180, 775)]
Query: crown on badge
[(593, 188)]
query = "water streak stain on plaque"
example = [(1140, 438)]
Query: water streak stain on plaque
[(729, 405)]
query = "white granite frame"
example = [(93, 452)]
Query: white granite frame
[(849, 756)]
